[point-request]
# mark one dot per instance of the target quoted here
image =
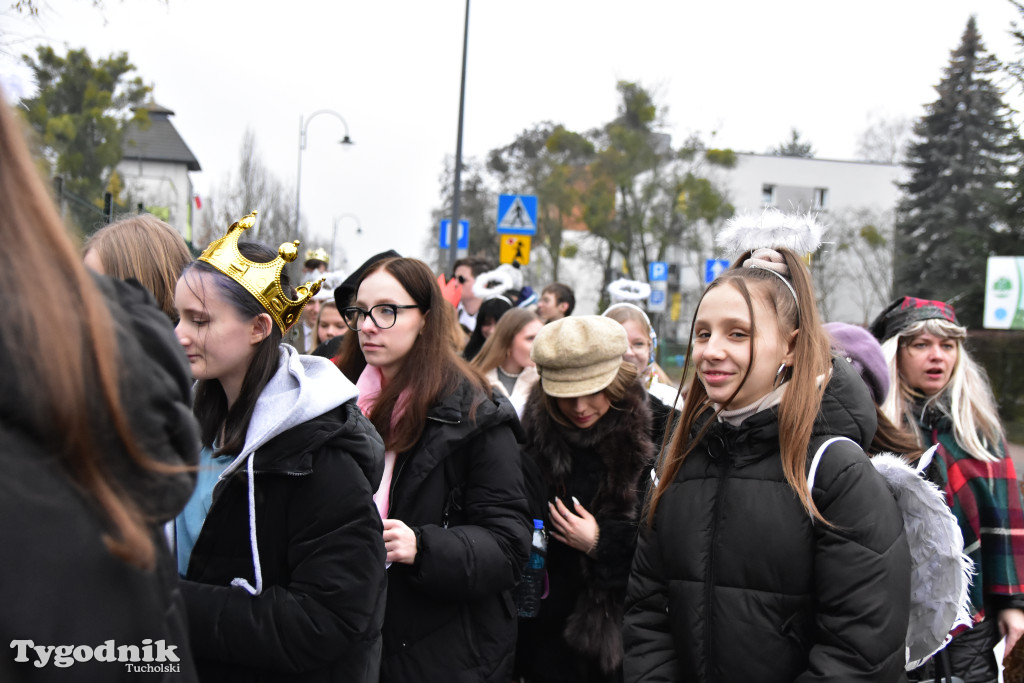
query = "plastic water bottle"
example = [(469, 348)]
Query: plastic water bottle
[(531, 587)]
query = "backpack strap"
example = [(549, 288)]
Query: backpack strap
[(817, 458)]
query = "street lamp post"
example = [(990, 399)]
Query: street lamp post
[(303, 127), (453, 236), (334, 233)]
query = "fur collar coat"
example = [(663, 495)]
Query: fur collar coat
[(607, 468)]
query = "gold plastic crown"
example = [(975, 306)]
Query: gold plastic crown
[(262, 280), (319, 254)]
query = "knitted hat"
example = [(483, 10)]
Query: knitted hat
[(865, 354), (905, 311), (579, 355)]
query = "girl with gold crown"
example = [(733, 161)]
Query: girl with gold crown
[(280, 546)]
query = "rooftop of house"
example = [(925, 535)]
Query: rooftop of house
[(159, 141)]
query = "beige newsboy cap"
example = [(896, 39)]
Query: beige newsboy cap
[(579, 355)]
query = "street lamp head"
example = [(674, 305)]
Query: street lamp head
[(346, 141)]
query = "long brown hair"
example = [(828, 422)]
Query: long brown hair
[(147, 249), (802, 399), (436, 368), (70, 393), (892, 439), (495, 350)]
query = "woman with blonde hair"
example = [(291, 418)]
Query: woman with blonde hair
[(141, 247), (942, 395), (505, 356), (97, 446), (663, 400)]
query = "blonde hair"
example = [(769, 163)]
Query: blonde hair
[(147, 249), (966, 399), (324, 305), (496, 348)]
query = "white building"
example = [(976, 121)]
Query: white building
[(846, 195), (155, 169), (826, 185)]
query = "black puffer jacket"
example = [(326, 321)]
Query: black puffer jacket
[(321, 553), (59, 583), (450, 616), (735, 583), (577, 635)]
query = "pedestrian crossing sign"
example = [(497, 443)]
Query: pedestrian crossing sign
[(514, 249), (517, 214)]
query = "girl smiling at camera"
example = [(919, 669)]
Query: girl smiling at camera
[(740, 573)]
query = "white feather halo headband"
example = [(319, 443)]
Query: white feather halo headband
[(496, 282), (771, 229), (628, 290)]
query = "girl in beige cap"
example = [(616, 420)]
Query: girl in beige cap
[(587, 440)]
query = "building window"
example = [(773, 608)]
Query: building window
[(820, 198), (768, 195)]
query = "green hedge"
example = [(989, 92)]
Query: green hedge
[(1001, 352)]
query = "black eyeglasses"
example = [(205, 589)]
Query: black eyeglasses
[(384, 316)]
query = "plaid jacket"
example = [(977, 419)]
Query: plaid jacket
[(986, 499)]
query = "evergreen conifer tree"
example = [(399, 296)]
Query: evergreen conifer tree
[(953, 205)]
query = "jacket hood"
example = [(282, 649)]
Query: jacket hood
[(847, 408), (341, 429), (304, 387)]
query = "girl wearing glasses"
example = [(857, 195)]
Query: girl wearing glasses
[(455, 517)]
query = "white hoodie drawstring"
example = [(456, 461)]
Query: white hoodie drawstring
[(242, 583)]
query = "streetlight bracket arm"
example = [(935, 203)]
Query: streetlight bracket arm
[(305, 126)]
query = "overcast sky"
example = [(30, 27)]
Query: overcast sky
[(744, 70)]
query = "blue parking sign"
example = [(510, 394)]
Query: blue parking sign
[(446, 228), (657, 271)]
